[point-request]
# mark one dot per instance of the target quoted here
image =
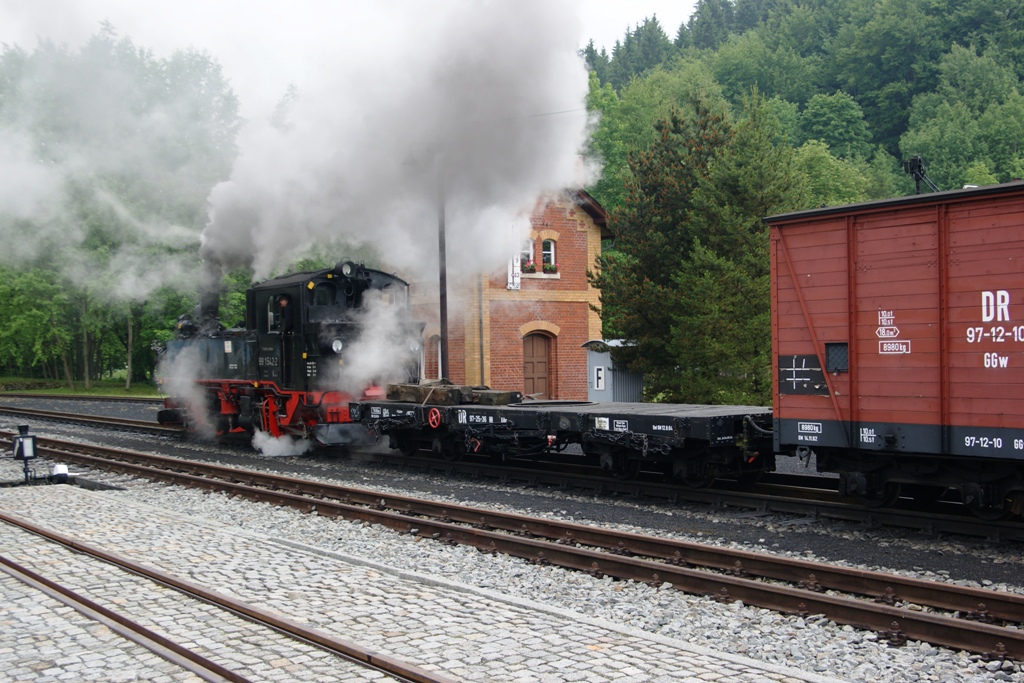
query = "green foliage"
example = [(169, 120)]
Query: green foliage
[(837, 120), (974, 119), (640, 51), (881, 53), (708, 26), (117, 151), (884, 175), (747, 61), (36, 313), (687, 282), (887, 60), (787, 117), (827, 180), (627, 119), (978, 173), (749, 14)]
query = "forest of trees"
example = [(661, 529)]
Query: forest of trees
[(751, 107), (108, 155), (759, 107)]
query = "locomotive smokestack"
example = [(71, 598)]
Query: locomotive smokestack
[(210, 277), (209, 305)]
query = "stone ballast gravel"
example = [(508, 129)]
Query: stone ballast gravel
[(812, 644)]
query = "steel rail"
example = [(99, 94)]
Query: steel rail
[(761, 497), (179, 655), (351, 651), (678, 557), (890, 588), (95, 420), (79, 397)]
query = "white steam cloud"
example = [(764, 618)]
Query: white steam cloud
[(483, 98), (107, 154), (382, 354), (285, 445), (105, 168), (178, 373)]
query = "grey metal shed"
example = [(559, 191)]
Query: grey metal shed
[(605, 381)]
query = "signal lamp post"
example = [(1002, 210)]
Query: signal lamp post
[(24, 449)]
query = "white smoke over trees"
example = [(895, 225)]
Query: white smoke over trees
[(483, 98), (107, 156), (113, 160)]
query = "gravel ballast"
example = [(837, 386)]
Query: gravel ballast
[(811, 644)]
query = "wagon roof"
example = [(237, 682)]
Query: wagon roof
[(915, 199)]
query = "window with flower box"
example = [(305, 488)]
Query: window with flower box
[(549, 264), (526, 262)]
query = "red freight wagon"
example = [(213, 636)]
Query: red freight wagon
[(898, 340)]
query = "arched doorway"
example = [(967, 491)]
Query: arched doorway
[(536, 364)]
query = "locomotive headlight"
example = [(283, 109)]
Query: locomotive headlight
[(414, 345), (346, 268), (337, 345)]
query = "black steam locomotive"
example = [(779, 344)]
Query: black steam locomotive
[(301, 356)]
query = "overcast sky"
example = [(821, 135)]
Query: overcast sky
[(265, 46)]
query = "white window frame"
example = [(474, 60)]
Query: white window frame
[(528, 253), (545, 254)]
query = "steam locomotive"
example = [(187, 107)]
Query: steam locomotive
[(299, 359)]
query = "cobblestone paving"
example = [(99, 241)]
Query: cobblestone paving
[(464, 634), (51, 641)]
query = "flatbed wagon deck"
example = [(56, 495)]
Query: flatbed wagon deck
[(699, 441)]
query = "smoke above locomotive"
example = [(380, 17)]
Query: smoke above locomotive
[(480, 103), (392, 98)]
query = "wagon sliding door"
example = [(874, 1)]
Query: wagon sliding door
[(898, 281)]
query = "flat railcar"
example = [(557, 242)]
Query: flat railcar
[(695, 443), (898, 339)]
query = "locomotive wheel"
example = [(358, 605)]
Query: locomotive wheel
[(699, 481), (693, 475), (447, 449)]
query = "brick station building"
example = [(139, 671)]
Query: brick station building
[(523, 329)]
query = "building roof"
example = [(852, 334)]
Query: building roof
[(593, 209)]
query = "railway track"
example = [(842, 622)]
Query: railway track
[(897, 607), (808, 496), (78, 397), (144, 426), (178, 654)]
